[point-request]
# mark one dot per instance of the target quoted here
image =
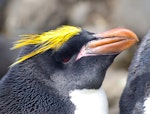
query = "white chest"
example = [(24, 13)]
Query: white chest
[(147, 106), (89, 101)]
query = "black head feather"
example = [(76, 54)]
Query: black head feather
[(42, 83)]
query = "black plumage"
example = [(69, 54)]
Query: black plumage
[(41, 84), (137, 89)]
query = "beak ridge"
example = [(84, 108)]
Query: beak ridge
[(113, 41), (110, 42)]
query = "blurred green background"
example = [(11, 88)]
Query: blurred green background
[(35, 16)]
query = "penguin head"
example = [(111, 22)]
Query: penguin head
[(78, 60)]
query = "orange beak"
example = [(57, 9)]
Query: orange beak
[(109, 42)]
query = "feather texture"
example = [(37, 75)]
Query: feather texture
[(52, 39)]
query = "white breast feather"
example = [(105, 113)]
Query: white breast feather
[(147, 106), (89, 101)]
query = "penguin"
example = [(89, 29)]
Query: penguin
[(135, 98), (61, 71)]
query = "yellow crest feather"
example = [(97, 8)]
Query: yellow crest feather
[(52, 39)]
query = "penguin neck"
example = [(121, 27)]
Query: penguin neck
[(89, 101), (23, 79)]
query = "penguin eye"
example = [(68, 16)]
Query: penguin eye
[(65, 60)]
